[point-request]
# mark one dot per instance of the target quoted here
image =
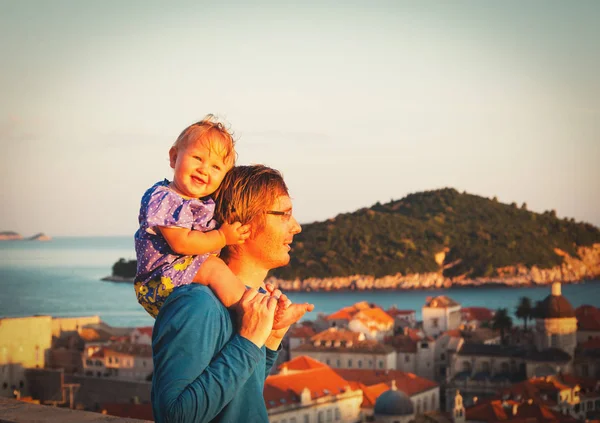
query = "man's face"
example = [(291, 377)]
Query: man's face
[(270, 246)]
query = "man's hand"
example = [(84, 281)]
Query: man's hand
[(234, 233), (255, 316)]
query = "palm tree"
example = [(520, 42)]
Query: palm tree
[(502, 321), (524, 310)]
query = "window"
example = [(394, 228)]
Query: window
[(320, 417), (435, 323), (338, 363), (306, 418), (406, 358), (337, 415), (424, 345), (370, 364), (381, 364), (443, 356), (350, 363), (327, 361), (360, 364), (329, 416)]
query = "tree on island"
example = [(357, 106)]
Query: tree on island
[(502, 322), (524, 310)]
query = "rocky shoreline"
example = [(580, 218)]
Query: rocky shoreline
[(572, 270)]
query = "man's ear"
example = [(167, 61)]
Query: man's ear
[(173, 156)]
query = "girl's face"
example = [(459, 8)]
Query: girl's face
[(199, 168)]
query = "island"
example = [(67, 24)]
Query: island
[(14, 236)]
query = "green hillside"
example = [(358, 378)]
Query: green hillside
[(478, 234)]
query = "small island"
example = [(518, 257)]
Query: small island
[(14, 236), (122, 271)]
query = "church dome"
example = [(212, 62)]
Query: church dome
[(393, 403), (555, 305)]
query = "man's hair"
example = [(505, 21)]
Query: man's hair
[(214, 133), (244, 195)]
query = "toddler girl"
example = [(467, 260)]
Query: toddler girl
[(177, 233)]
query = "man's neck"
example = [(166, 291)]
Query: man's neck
[(250, 274)]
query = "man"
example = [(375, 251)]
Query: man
[(209, 363)]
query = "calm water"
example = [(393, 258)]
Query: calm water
[(62, 278)]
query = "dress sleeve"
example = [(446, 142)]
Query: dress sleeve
[(165, 208), (193, 380)]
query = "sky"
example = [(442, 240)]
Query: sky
[(354, 102)]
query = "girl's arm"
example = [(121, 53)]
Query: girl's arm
[(190, 242)]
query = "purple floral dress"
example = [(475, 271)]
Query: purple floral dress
[(159, 268)]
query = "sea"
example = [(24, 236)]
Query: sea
[(63, 277)]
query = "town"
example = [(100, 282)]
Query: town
[(359, 364)]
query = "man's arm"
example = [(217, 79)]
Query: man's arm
[(192, 379)]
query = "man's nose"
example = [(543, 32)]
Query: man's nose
[(296, 228)]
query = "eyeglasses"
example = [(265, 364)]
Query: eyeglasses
[(286, 214)]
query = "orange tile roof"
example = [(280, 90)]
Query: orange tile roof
[(588, 318), (98, 354), (441, 301), (376, 314), (340, 315), (495, 411), (145, 330), (301, 332), (409, 383), (396, 312), (371, 393), (347, 313), (480, 314), (302, 362), (453, 333), (542, 390), (402, 343), (334, 334), (284, 389)]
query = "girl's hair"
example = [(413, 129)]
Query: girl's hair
[(214, 133), (244, 195)]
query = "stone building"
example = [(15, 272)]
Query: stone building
[(556, 323), (440, 314), (342, 348), (26, 343), (309, 391)]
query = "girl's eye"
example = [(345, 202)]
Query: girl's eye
[(217, 167), (198, 158)]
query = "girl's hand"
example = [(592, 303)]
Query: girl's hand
[(235, 233)]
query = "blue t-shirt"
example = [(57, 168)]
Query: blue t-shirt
[(204, 371)]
